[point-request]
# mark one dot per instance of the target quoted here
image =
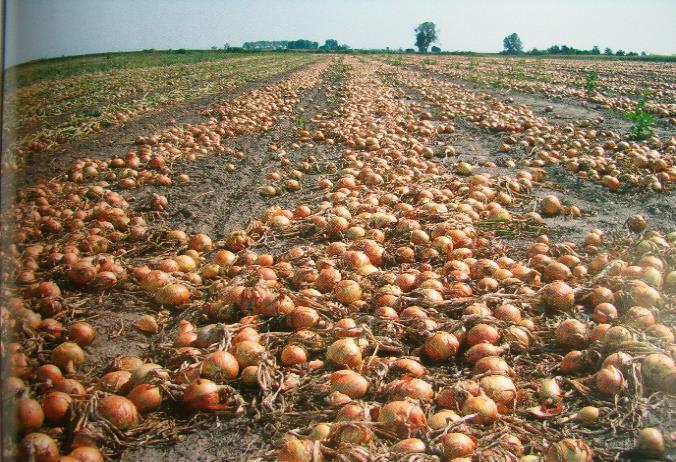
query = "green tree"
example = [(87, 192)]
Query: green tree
[(302, 44), (512, 44), (595, 50), (436, 49), (607, 51), (425, 35), (620, 53), (331, 44)]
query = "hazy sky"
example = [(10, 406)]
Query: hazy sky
[(46, 28)]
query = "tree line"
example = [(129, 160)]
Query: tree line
[(300, 44), (513, 46)]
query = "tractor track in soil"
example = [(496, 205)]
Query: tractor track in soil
[(219, 202)]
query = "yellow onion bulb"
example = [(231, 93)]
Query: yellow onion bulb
[(349, 383), (344, 352), (457, 445), (441, 346), (402, 418), (484, 407), (119, 411), (569, 450)]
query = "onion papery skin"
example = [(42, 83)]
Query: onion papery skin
[(119, 411)]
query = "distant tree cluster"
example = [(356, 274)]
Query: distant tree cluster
[(566, 50), (332, 45), (266, 45), (300, 44), (513, 46)]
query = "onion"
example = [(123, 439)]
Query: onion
[(296, 450), (481, 333), (656, 369), (48, 372), (349, 411), (82, 273), (68, 356), (550, 206), (588, 414), (609, 380), (302, 317), (292, 355), (114, 382), (128, 363), (620, 360), (409, 387), (481, 350), (147, 324), (402, 418), (483, 406), (70, 386), (47, 290), (320, 432), (441, 346), (81, 333), (571, 333), (616, 335), (639, 317), (650, 443), (327, 279), (573, 362), (202, 394), (154, 280), (349, 383), (29, 415), (351, 433), (38, 447), (408, 446), (604, 312), (569, 450), (509, 313), (344, 352), (598, 332), (550, 390), (500, 389), (556, 271), (441, 419), (148, 373), (558, 296), (200, 242), (87, 454), (644, 295), (248, 353), (220, 366), (453, 397), (347, 291), (119, 411), (457, 445), (492, 364), (409, 367), (247, 333), (172, 295), (249, 375), (146, 397)]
